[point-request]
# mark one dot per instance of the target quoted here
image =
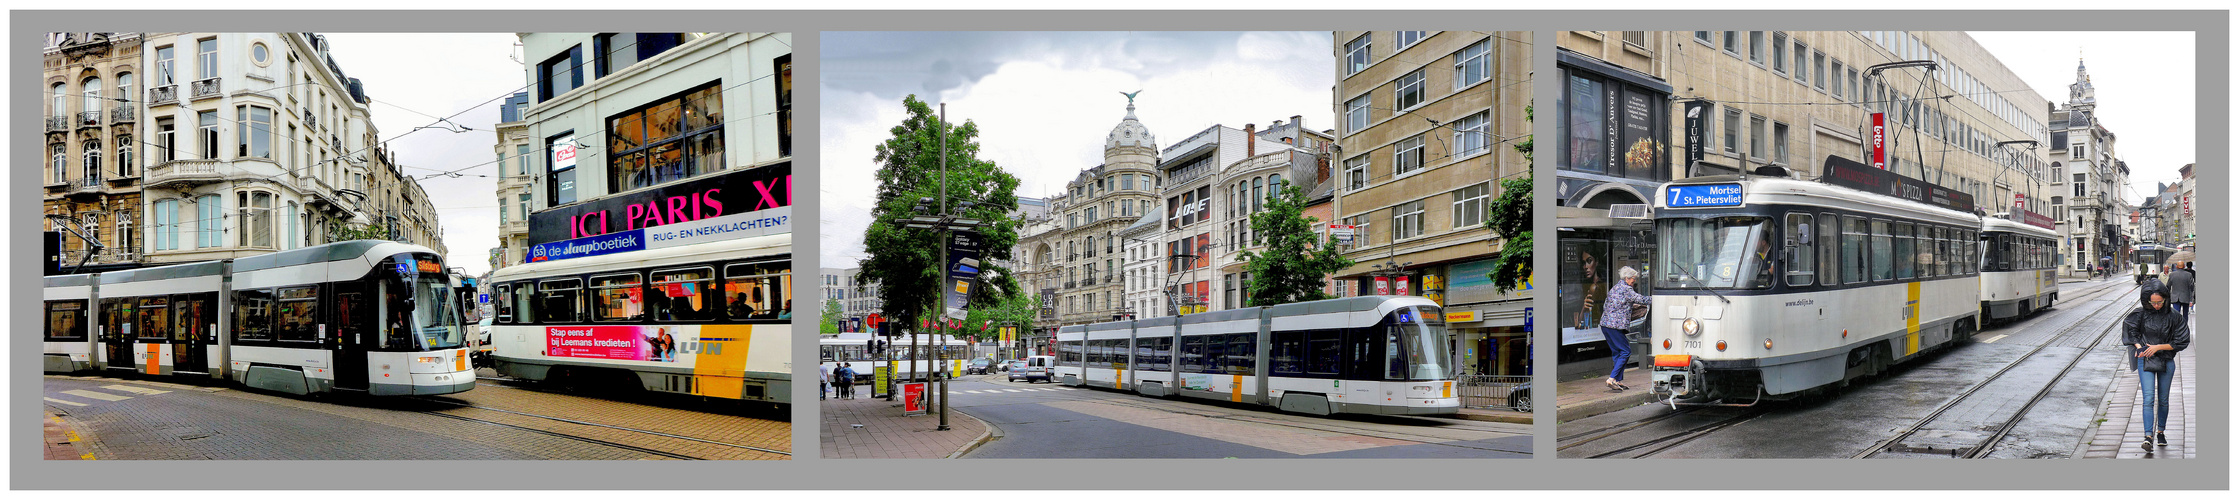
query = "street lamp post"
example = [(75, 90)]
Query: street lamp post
[(937, 214)]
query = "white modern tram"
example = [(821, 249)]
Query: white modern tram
[(1769, 286), (2018, 263), (1375, 355), (377, 317), (855, 349), (709, 319)]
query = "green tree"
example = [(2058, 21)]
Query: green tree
[(1511, 218), (1018, 310), (830, 322), (905, 261), (1295, 265)]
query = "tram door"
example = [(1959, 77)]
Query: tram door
[(193, 331), (117, 334), (153, 331), (354, 331)]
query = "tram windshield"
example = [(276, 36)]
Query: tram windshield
[(1415, 346), (1724, 252), (435, 315), (2150, 256)]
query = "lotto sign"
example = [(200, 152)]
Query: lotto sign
[(563, 153), (2017, 200), (1703, 195), (1879, 141), (1383, 286)]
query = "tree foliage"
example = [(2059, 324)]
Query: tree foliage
[(830, 320), (1511, 218), (905, 261), (1018, 310), (1295, 265)]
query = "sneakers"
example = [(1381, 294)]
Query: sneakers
[(2147, 445), (2161, 438)]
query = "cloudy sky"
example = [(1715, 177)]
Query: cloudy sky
[(1044, 101), (2143, 80), (415, 78)]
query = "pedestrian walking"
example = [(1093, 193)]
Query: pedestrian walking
[(1617, 311), (2180, 288), (823, 381), (845, 377), (2155, 334)]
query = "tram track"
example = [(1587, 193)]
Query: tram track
[(1674, 439), (1982, 448), (1575, 440), (588, 439), (1418, 438)]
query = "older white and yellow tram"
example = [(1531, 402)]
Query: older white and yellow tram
[(1377, 355), (2146, 260), (709, 319), (2018, 266), (1769, 286), (373, 316)]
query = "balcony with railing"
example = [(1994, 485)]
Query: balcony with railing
[(122, 115), (89, 118), (183, 173), (86, 185), (161, 95), (58, 124), (206, 88)]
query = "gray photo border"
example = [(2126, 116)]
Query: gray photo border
[(2210, 471)]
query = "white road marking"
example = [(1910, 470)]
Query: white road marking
[(1994, 339), (64, 401), (96, 395), (139, 390)]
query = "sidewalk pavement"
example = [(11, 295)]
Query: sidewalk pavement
[(1586, 397), (1504, 415), (866, 427), (2118, 430), (61, 442)]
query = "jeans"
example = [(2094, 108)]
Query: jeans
[(2153, 394), (1621, 346)]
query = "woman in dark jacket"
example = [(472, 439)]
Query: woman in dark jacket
[(2155, 333)]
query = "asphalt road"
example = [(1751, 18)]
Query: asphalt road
[(1050, 421)]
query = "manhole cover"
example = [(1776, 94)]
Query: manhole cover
[(189, 433)]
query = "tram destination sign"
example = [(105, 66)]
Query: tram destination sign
[(1703, 195), (1851, 174)]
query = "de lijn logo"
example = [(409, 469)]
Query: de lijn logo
[(536, 254)]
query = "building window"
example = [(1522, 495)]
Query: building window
[(293, 226), (254, 138), (1733, 131), (166, 224), (56, 159), (206, 58), (1469, 206), (1356, 173), (1757, 47), (1798, 70), (209, 223), (1356, 114), (93, 161), (92, 96), (784, 68), (208, 134), (1409, 38), (55, 100), (1836, 68), (1407, 220), (1407, 156), (1702, 36), (1819, 70), (1408, 91), (1731, 42), (675, 138), (1472, 65), (1853, 85), (1356, 55), (124, 156), (524, 206), (559, 177), (1780, 143), (165, 72), (125, 237), (1780, 53), (1756, 137), (1470, 137), (1634, 38), (559, 74)]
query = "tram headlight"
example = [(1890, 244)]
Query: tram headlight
[(429, 359), (1691, 327)]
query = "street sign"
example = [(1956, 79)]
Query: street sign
[(482, 298)]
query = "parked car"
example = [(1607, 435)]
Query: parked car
[(1036, 368), (980, 366)]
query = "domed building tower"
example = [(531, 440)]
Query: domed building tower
[(1100, 202)]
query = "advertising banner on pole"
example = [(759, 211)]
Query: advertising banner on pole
[(963, 271), (1695, 118), (1880, 141)]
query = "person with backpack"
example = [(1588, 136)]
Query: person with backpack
[(2155, 333)]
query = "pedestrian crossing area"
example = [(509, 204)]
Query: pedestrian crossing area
[(1000, 391), (107, 393)]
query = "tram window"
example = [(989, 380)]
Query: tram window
[(682, 295), (1880, 252), (1974, 252), (1324, 352), (1925, 247), (504, 302), (190, 316), (353, 312), (116, 319), (558, 300), (1243, 353), (1901, 254), (1287, 356), (252, 315), (524, 302), (1830, 250), (1193, 354), (298, 314), (1361, 359), (1854, 250), (153, 318), (1799, 250), (617, 297), (66, 320), (758, 290), (1214, 357)]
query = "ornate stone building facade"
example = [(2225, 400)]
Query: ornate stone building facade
[(92, 171)]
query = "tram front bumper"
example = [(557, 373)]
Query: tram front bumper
[(428, 384)]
